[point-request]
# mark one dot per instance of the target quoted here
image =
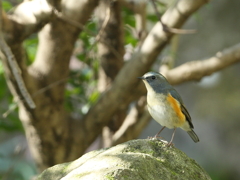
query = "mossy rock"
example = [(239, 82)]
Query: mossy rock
[(147, 159)]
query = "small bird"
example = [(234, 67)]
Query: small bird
[(166, 106)]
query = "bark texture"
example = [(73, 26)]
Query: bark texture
[(48, 127), (53, 135)]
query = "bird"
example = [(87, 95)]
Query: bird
[(166, 106)]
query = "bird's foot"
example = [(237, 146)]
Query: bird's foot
[(170, 144), (158, 138)]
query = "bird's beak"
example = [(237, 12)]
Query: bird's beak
[(141, 78)]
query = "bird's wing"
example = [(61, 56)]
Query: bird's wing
[(175, 94), (187, 115)]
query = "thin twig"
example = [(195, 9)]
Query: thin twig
[(42, 90), (80, 26), (99, 35), (169, 29), (10, 109), (14, 66), (60, 15), (104, 24)]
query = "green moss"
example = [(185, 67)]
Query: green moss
[(147, 159), (108, 177)]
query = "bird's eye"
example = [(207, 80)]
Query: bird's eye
[(153, 77)]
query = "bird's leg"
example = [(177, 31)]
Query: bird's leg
[(156, 136), (170, 143)]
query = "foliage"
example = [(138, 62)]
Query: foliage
[(80, 93), (13, 162)]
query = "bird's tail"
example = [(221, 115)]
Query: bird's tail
[(193, 135)]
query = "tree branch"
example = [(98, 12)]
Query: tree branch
[(110, 37), (134, 123), (195, 70), (126, 81), (55, 142), (12, 63), (139, 9), (27, 18), (169, 29)]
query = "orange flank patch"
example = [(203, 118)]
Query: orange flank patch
[(176, 106)]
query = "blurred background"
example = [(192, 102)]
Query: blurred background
[(214, 102)]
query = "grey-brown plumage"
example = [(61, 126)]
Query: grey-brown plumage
[(166, 106)]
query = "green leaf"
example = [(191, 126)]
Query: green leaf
[(6, 5), (94, 96), (31, 48)]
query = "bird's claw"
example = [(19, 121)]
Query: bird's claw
[(170, 144)]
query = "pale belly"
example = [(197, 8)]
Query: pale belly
[(165, 116)]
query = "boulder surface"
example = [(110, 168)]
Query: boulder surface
[(142, 159)]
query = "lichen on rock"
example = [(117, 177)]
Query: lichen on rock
[(148, 159)]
